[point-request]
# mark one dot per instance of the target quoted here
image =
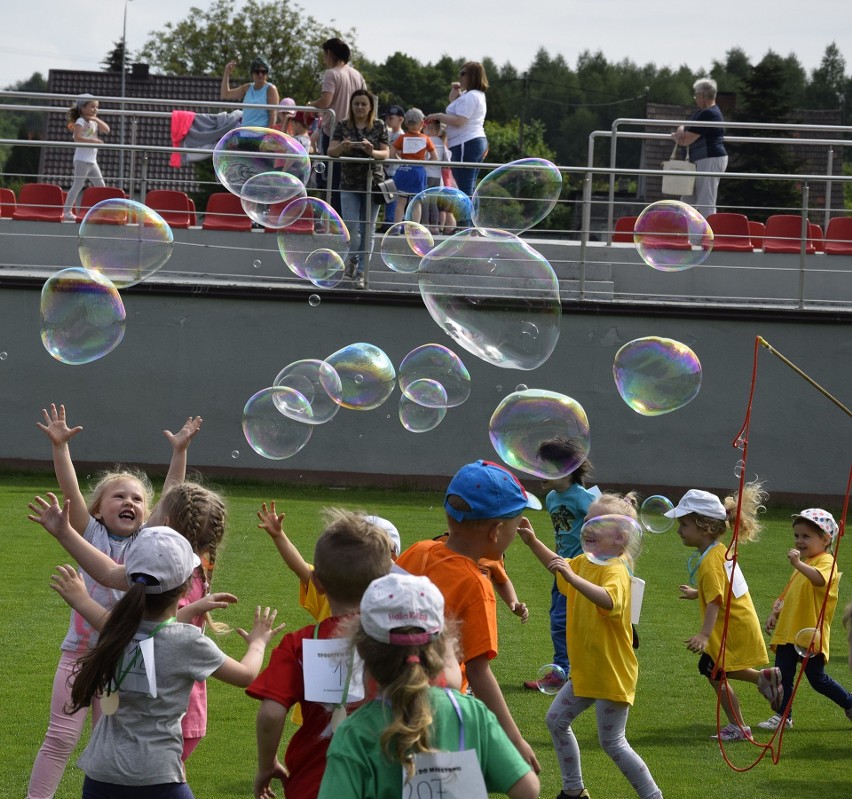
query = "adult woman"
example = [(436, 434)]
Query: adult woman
[(258, 92), (465, 121), (360, 135), (706, 148)]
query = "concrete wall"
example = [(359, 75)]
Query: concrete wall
[(206, 351)]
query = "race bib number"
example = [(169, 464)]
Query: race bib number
[(141, 676), (445, 775), (739, 587), (326, 665)]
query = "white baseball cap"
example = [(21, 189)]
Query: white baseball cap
[(161, 558), (389, 529), (701, 502), (821, 518), (402, 600)]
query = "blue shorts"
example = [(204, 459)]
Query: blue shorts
[(410, 179)]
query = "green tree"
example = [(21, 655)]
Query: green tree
[(828, 84), (21, 160), (505, 142), (114, 61)]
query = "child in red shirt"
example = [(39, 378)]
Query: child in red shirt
[(413, 145)]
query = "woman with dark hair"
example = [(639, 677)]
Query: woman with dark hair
[(465, 121), (360, 135), (258, 92)]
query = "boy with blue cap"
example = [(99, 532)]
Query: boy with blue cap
[(484, 504)]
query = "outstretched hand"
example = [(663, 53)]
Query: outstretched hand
[(271, 521), (50, 515), (525, 531), (55, 426), (262, 629), (181, 439), (68, 583)]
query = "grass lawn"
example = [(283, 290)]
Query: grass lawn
[(669, 726)]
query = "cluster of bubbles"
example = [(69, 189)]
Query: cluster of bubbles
[(671, 236)]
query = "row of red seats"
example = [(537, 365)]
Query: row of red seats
[(780, 234)]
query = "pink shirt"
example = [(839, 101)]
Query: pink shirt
[(194, 723)]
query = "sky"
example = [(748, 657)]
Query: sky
[(38, 35)]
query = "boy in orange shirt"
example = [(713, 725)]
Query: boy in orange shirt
[(414, 147), (484, 504)]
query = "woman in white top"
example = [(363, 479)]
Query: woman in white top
[(465, 121)]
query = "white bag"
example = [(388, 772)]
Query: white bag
[(681, 181)]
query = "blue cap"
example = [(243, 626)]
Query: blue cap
[(491, 491)]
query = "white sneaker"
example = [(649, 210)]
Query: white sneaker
[(769, 685), (69, 217), (733, 732), (774, 722)]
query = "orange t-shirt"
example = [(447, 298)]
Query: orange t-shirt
[(413, 146), (494, 570)]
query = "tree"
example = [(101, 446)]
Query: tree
[(19, 160), (115, 60), (828, 84)]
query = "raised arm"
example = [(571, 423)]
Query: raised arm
[(180, 444), (57, 430), (225, 90), (273, 523), (70, 586), (242, 672), (544, 554)]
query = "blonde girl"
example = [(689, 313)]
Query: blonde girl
[(401, 638), (798, 608), (86, 127), (604, 669), (721, 589)]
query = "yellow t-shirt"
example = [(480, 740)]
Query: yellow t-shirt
[(744, 647), (600, 642), (802, 603), (313, 601)]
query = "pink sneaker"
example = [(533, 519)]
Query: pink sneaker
[(769, 685)]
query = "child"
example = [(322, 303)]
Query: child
[(567, 502), (799, 606), (84, 123), (702, 521), (349, 555), (604, 669), (300, 124), (411, 146), (139, 742), (484, 503), (393, 122), (401, 638), (437, 133), (118, 506)]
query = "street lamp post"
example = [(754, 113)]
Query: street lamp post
[(123, 90)]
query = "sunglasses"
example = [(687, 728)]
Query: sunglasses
[(260, 72)]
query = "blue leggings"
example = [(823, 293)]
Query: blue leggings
[(472, 151), (786, 659), (557, 627)]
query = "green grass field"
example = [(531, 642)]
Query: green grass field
[(669, 726)]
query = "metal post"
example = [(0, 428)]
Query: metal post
[(828, 187), (134, 129), (123, 94), (803, 242)]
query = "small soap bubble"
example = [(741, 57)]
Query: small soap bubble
[(243, 153), (739, 468), (526, 420), (404, 245), (359, 379), (319, 167), (426, 408), (521, 387), (740, 443), (808, 639), (310, 377), (268, 430), (550, 679), (366, 377), (606, 537), (671, 236), (652, 514), (439, 364), (656, 375), (235, 454), (3, 356), (314, 300), (256, 263)]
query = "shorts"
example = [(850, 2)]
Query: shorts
[(410, 179), (706, 664)]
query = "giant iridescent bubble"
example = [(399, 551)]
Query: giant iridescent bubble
[(124, 240), (495, 295), (82, 316), (274, 422), (314, 242), (404, 245), (439, 206), (243, 153), (656, 375), (525, 425), (365, 377), (671, 236), (265, 197), (307, 378), (517, 195), (434, 363)]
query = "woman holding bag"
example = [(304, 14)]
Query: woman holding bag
[(706, 147)]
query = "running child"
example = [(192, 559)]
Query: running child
[(84, 123)]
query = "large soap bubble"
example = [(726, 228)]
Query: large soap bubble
[(82, 316), (271, 422), (671, 236), (265, 197), (426, 410), (605, 538), (314, 242), (550, 679), (366, 377), (495, 295), (439, 206), (653, 512), (243, 153), (656, 375), (404, 245), (540, 432), (517, 195), (304, 377), (437, 363), (124, 240)]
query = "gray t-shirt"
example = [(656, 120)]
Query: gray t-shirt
[(141, 743)]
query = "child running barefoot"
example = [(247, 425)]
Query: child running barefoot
[(798, 608), (604, 669), (720, 588), (411, 725), (144, 666)]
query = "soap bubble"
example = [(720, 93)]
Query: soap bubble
[(803, 638), (426, 407), (656, 375), (495, 295), (366, 377), (316, 228), (319, 167), (309, 377), (235, 454), (524, 420), (404, 245), (265, 197), (652, 514), (517, 195), (671, 236), (436, 200), (124, 240), (739, 468), (3, 356), (314, 300), (550, 679), (256, 263), (436, 363), (606, 537), (268, 430), (243, 153), (82, 316)]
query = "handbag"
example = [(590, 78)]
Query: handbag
[(384, 191), (681, 180)]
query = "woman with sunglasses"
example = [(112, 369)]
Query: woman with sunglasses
[(258, 92)]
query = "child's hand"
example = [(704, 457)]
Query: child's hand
[(525, 531), (51, 516), (771, 622), (262, 630), (687, 592), (697, 643), (562, 566), (180, 440), (794, 556), (521, 611), (271, 521), (215, 601), (68, 583), (55, 427)]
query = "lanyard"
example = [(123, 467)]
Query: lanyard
[(455, 705), (122, 674), (694, 562)]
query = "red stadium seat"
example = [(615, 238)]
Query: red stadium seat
[(174, 206), (730, 232), (756, 230), (39, 202), (92, 195), (838, 236), (623, 232), (225, 212), (7, 203), (784, 235)]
